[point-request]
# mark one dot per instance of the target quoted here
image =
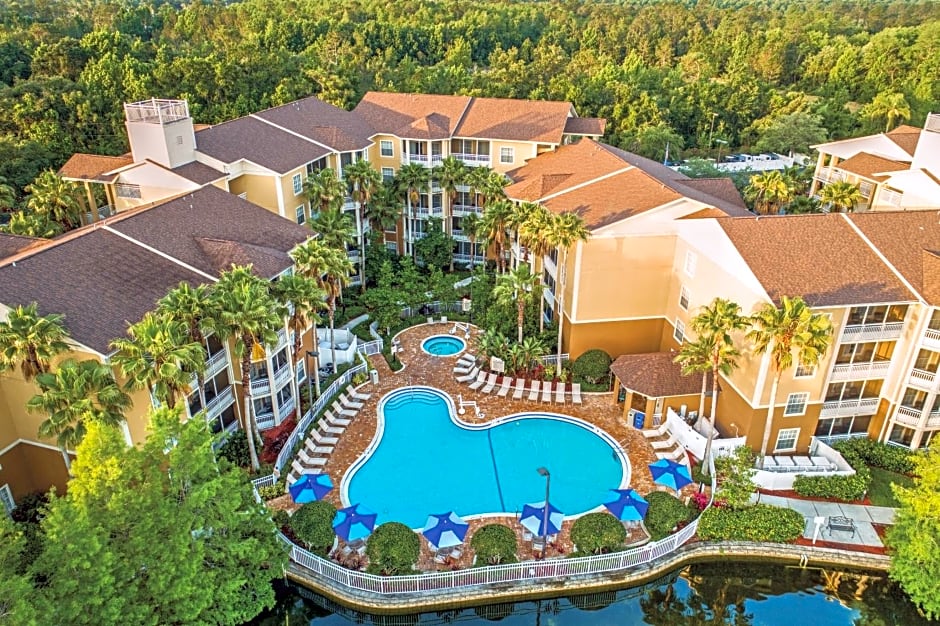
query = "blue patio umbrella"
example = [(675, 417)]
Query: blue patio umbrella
[(626, 505), (533, 518), (670, 474), (354, 523), (310, 488), (445, 530)]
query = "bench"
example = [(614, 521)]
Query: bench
[(838, 522)]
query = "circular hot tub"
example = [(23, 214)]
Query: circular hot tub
[(443, 345)]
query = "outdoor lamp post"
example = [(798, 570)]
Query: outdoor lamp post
[(711, 129), (315, 374), (720, 142), (548, 484)]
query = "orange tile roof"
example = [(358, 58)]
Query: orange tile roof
[(93, 167), (867, 165), (906, 137), (396, 113), (515, 120)]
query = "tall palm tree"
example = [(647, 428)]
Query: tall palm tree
[(56, 198), (519, 286), (76, 393), (533, 235), (715, 324), (768, 190), (193, 307), (566, 230), (412, 179), (890, 106), (470, 224), (365, 182), (693, 358), (336, 271), (159, 356), (385, 208), (336, 229), (249, 316), (842, 196), (324, 190), (495, 217), (304, 299), (450, 174), (792, 330), (310, 260), (30, 340)]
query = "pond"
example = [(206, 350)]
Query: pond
[(738, 593)]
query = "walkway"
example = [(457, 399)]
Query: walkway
[(864, 517)]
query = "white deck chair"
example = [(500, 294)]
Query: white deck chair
[(667, 444), (534, 391), (560, 394), (463, 369), (311, 446), (520, 389), (481, 378), (576, 393), (675, 455), (655, 432), (326, 428), (318, 438), (342, 411), (311, 461), (349, 403), (332, 420), (355, 395), (546, 392), (466, 378), (296, 471), (490, 383), (467, 359), (504, 389)]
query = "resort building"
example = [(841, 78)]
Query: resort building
[(899, 169), (106, 276)]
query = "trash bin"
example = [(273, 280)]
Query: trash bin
[(374, 375), (638, 420)]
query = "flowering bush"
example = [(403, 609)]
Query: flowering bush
[(275, 438)]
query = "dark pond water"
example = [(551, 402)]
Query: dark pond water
[(740, 594)]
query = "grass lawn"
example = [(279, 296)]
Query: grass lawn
[(880, 492)]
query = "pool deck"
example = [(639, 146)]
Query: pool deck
[(437, 371)]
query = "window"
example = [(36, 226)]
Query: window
[(507, 155), (803, 371), (786, 439), (691, 260), (392, 246), (127, 190), (298, 182), (796, 404), (301, 212), (6, 499), (388, 174), (684, 298), (264, 406), (679, 333)]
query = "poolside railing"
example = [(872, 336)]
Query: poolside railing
[(371, 347), (552, 359)]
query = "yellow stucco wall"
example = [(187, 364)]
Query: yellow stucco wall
[(27, 468), (261, 190)]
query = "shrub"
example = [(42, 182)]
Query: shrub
[(281, 519), (592, 367), (235, 449), (269, 492), (275, 438), (877, 454), (840, 487), (313, 525), (30, 508), (494, 544), (665, 512), (598, 533), (392, 549), (760, 522)]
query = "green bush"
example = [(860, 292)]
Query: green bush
[(760, 522), (393, 549), (31, 508), (281, 518), (598, 533), (235, 449), (494, 544), (591, 367), (664, 513), (840, 487), (312, 524), (877, 454), (269, 492)]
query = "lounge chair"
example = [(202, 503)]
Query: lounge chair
[(311, 461), (318, 438), (469, 375), (463, 369), (676, 455), (296, 468), (325, 427), (504, 389), (490, 383), (467, 360), (481, 378), (440, 558), (332, 420), (311, 446), (576, 393), (355, 395), (534, 391), (349, 403), (665, 444), (655, 432), (546, 392), (520, 388), (560, 394), (342, 411)]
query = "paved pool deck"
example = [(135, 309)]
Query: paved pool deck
[(864, 517)]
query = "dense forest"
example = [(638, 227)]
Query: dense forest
[(684, 72)]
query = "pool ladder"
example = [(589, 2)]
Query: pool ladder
[(465, 403)]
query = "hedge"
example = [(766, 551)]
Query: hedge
[(592, 367), (393, 549), (760, 522), (840, 487), (598, 533), (664, 513), (494, 544), (313, 525), (877, 454)]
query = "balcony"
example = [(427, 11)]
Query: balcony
[(214, 364), (219, 403), (860, 371), (285, 410), (857, 333), (907, 416), (460, 210), (265, 421), (422, 159), (353, 255), (466, 258), (282, 376), (830, 175), (848, 408), (931, 339), (922, 379), (260, 386), (459, 235), (473, 160)]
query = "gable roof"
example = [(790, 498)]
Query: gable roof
[(199, 173), (337, 128), (11, 244), (540, 121), (906, 137), (251, 139), (819, 257), (93, 167), (655, 375), (868, 165), (585, 126), (397, 114)]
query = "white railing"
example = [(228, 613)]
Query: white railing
[(282, 375), (907, 416), (932, 338), (472, 159), (872, 332), (466, 258), (459, 210), (265, 421), (285, 409), (370, 347), (552, 359), (221, 401), (859, 371), (261, 386), (848, 408), (922, 378), (431, 309)]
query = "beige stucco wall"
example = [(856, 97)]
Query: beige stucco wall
[(261, 190)]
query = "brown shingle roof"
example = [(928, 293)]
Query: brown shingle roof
[(337, 128), (722, 188), (585, 126), (818, 257), (93, 167), (515, 120), (11, 244), (395, 113), (199, 173), (655, 375), (906, 137), (903, 237), (259, 142), (867, 165)]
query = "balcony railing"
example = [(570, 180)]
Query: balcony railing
[(922, 379), (466, 258), (282, 375), (219, 403), (285, 409), (422, 159), (260, 386), (848, 408), (265, 421), (459, 210), (932, 338), (860, 371), (908, 416), (472, 159), (871, 332)]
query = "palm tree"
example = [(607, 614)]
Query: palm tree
[(714, 324), (890, 106), (248, 315), (365, 182), (768, 190), (30, 340), (56, 198), (495, 217), (336, 229), (532, 234), (412, 180), (531, 349), (492, 187), (310, 260), (385, 208), (450, 174), (842, 196), (159, 356), (519, 286), (76, 393), (304, 299), (470, 224), (31, 224), (693, 358), (193, 307), (7, 194), (566, 230), (790, 330), (324, 190), (802, 205), (336, 271)]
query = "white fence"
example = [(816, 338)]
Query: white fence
[(371, 347), (552, 359), (431, 308)]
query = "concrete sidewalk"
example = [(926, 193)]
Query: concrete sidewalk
[(863, 516)]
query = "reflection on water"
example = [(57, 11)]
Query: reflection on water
[(735, 593)]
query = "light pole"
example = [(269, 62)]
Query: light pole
[(548, 484), (315, 374), (711, 129), (720, 142)]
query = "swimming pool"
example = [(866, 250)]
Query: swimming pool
[(443, 345), (422, 462)]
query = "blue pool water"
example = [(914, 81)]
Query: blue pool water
[(443, 345), (425, 463)]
